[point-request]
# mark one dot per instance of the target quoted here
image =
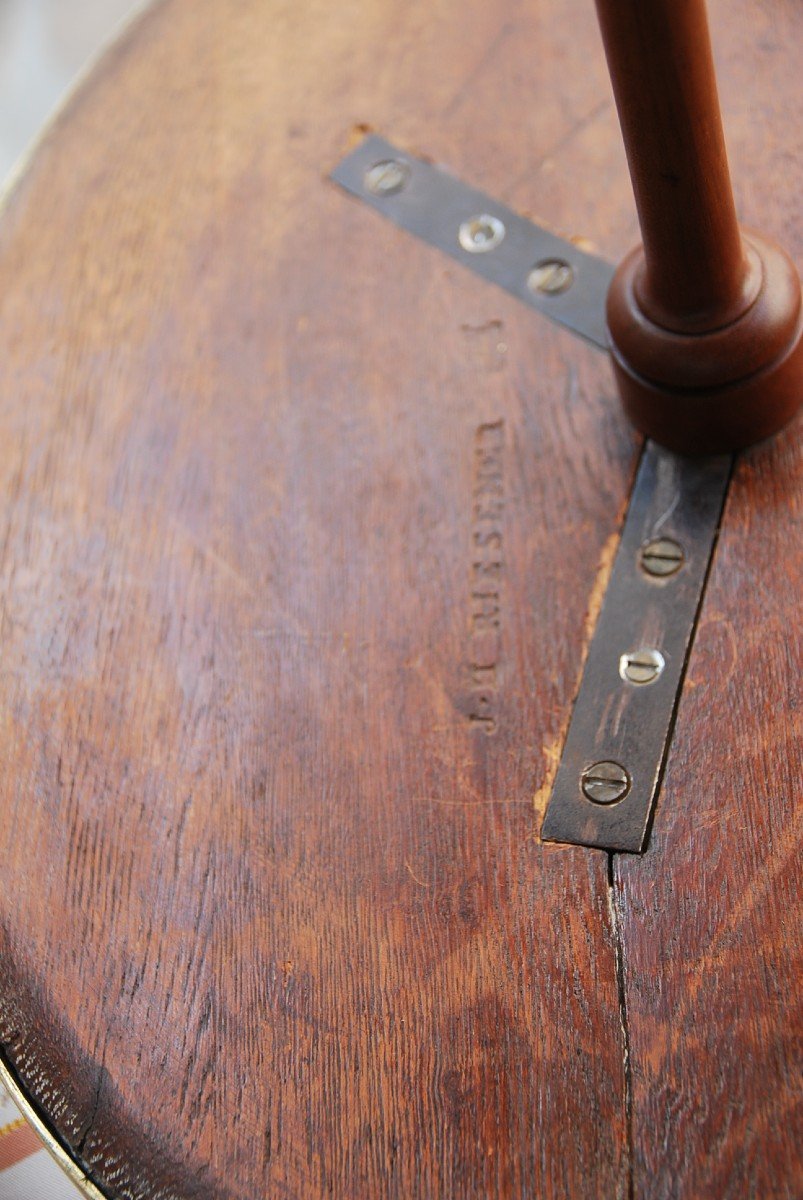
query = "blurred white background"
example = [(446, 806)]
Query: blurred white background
[(44, 44)]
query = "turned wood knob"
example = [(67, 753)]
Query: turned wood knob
[(704, 318)]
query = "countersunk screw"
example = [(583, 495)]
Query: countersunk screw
[(641, 666), (661, 557), (605, 783), (551, 277), (481, 233), (387, 177)]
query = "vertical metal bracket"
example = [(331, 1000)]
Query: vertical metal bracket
[(622, 722), (621, 726)]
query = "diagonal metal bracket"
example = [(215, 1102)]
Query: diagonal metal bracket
[(621, 727), (549, 274)]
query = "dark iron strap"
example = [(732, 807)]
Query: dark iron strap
[(621, 727), (548, 273)]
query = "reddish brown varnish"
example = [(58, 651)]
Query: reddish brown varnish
[(705, 322), (275, 920)]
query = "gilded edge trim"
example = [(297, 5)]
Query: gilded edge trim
[(51, 1143)]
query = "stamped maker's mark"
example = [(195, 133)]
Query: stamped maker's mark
[(485, 578)]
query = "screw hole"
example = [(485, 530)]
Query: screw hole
[(481, 233)]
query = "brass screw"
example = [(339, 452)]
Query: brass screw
[(605, 783), (661, 557), (387, 177), (641, 666), (551, 277), (481, 233)]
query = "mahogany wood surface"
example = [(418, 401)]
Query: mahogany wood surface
[(275, 919), (710, 916)]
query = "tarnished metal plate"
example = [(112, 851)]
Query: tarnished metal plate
[(548, 273), (619, 734), (622, 722)]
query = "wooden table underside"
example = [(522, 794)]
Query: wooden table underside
[(275, 919)]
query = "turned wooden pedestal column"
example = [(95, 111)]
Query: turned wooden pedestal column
[(704, 318)]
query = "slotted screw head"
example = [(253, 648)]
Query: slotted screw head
[(641, 666), (550, 277), (661, 557), (481, 233), (605, 782), (387, 177)]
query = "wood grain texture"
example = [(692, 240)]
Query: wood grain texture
[(712, 914), (291, 931), (274, 915)]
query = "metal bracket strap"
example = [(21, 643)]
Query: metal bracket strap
[(549, 274), (621, 725)]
